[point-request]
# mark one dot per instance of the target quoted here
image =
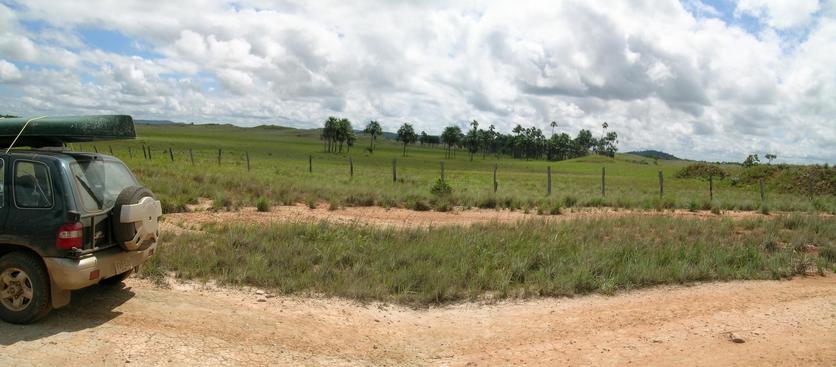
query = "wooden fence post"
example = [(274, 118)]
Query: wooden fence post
[(495, 166), (95, 149), (760, 183), (219, 156), (661, 185), (149, 152), (394, 170), (171, 153), (247, 155), (711, 187), (603, 184), (310, 164), (144, 154), (350, 168), (549, 184), (130, 153), (110, 148), (191, 156)]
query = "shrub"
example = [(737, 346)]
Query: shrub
[(554, 209), (570, 201), (420, 205), (595, 202), (488, 202), (443, 206), (764, 209), (693, 206), (333, 204), (441, 188), (220, 202), (828, 253), (701, 170), (262, 204)]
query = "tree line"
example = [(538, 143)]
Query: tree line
[(521, 143)]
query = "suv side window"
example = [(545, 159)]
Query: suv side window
[(32, 185), (2, 183)]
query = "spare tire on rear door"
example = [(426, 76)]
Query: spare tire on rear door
[(135, 216)]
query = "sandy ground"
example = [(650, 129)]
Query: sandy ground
[(395, 217), (782, 323)]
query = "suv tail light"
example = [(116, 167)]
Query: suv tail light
[(69, 236)]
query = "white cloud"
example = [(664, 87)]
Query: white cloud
[(664, 74), (779, 14), (9, 72)]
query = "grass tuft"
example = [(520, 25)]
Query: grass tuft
[(262, 204)]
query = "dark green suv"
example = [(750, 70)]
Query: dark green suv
[(68, 220)]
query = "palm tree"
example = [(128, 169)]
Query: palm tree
[(373, 129), (553, 125), (450, 137), (406, 134), (329, 132)]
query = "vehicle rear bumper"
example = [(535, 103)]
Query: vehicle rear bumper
[(72, 274)]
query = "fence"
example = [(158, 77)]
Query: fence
[(548, 182)]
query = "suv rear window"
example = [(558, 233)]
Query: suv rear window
[(32, 185), (99, 181)]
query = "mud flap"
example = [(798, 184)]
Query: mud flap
[(60, 297)]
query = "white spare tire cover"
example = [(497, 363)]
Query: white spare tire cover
[(136, 216)]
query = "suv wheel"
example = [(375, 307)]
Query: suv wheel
[(24, 289)]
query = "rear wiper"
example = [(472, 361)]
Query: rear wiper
[(89, 190)]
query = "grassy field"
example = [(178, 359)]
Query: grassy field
[(532, 258), (279, 174)]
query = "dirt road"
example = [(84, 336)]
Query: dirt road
[(781, 322), (401, 218)]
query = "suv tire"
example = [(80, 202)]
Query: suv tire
[(124, 232), (23, 273)]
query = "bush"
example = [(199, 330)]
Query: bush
[(693, 206), (715, 208), (221, 202), (763, 209), (570, 201), (420, 205), (262, 204), (701, 170), (555, 209), (488, 202), (441, 188), (333, 204), (828, 253)]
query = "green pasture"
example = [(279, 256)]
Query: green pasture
[(279, 173)]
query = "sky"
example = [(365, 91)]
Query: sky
[(712, 80)]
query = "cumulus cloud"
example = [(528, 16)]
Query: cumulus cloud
[(677, 76), (9, 72), (780, 14)]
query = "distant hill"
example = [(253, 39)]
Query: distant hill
[(155, 122), (655, 154)]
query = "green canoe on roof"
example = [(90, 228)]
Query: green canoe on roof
[(57, 130)]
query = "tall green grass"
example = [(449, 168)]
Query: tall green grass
[(531, 258)]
